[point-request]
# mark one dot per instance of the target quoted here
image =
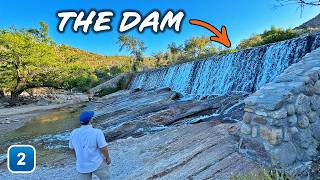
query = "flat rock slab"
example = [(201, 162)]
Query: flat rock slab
[(197, 151), (128, 113)]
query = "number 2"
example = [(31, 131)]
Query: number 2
[(22, 156)]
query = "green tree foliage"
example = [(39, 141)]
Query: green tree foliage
[(91, 59), (268, 36), (253, 41), (174, 52), (30, 59), (27, 60), (197, 47), (192, 49), (160, 58), (135, 47)]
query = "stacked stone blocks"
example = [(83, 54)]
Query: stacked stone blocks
[(281, 124)]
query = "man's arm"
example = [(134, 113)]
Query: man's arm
[(105, 153), (102, 144)]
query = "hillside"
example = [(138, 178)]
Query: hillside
[(92, 59)]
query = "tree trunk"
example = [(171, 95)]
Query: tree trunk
[(15, 96), (1, 93)]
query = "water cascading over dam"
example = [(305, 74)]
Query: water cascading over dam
[(246, 70)]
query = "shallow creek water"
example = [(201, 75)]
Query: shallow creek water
[(46, 131)]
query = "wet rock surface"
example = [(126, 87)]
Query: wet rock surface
[(134, 113), (158, 134), (195, 151)]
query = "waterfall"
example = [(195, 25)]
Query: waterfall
[(245, 70)]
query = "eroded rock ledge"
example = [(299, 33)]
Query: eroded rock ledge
[(281, 123)]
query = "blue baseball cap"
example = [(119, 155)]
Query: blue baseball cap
[(86, 116)]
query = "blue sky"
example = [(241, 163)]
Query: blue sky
[(241, 19)]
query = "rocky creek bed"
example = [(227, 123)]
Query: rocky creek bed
[(154, 134), (199, 151)]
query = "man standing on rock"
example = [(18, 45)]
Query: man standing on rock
[(90, 149)]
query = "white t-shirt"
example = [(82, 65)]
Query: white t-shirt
[(87, 141)]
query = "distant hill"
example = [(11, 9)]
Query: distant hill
[(313, 23), (92, 59)]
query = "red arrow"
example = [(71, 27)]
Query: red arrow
[(220, 37)]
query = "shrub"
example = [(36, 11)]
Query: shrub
[(106, 91), (262, 174), (268, 36), (123, 83)]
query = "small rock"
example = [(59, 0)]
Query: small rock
[(248, 109), (302, 104), (286, 135), (234, 130), (265, 133), (245, 129), (254, 131), (292, 120), (247, 117), (175, 96), (313, 116), (251, 100), (273, 136), (290, 109), (293, 130), (277, 122), (315, 130), (303, 121), (279, 114), (260, 119), (315, 103), (308, 89), (276, 136)]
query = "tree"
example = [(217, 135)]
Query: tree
[(174, 52), (197, 47), (159, 56), (135, 46), (253, 41), (268, 36), (27, 60)]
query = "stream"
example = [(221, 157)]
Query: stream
[(48, 132)]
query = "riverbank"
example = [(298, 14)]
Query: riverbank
[(14, 117)]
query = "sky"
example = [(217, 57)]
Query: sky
[(242, 19)]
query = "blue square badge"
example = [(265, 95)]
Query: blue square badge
[(21, 159)]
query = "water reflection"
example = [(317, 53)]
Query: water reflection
[(52, 122)]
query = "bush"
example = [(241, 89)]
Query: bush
[(262, 174), (107, 91), (123, 83), (268, 36)]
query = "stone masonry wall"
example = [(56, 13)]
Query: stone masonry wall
[(281, 124)]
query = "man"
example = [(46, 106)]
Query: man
[(90, 149)]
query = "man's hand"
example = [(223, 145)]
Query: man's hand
[(105, 152), (108, 160)]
